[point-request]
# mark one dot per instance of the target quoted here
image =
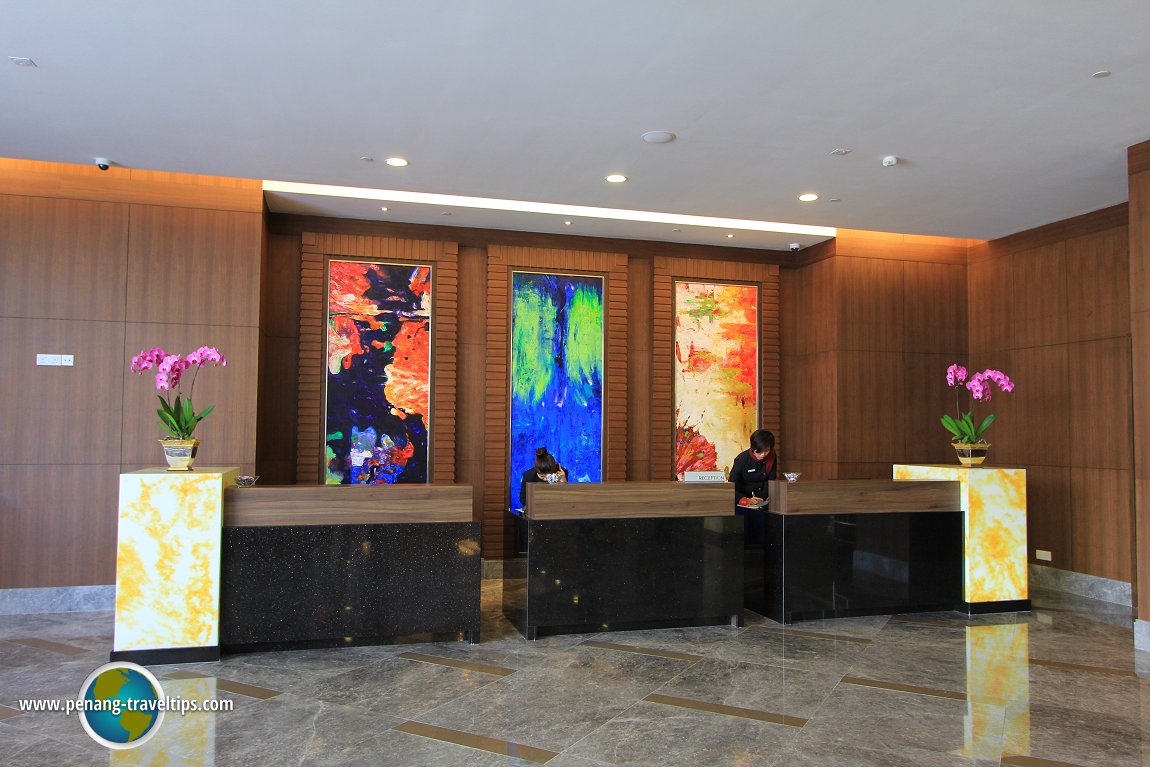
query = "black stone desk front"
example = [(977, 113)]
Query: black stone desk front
[(613, 556), (859, 547), (311, 566)]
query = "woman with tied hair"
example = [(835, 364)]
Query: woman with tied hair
[(546, 469)]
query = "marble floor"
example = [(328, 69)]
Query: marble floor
[(1062, 685)]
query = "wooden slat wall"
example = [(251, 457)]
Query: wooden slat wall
[(668, 270), (317, 250), (501, 261), (99, 265)]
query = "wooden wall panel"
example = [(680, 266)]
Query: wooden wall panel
[(1038, 297), (1050, 515), (1099, 404), (871, 396), (934, 313), (639, 343), (58, 524), (666, 272), (902, 247), (194, 266), (279, 362), (62, 259), (128, 185), (228, 434), (501, 261), (1097, 268), (471, 462), (1139, 284), (47, 412), (870, 304), (926, 399), (989, 298), (1101, 522), (317, 250)]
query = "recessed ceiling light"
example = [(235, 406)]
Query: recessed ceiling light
[(676, 229), (840, 152), (22, 61), (396, 162), (365, 158), (616, 178), (384, 208), (835, 199), (808, 197), (730, 236), (659, 137), (1101, 73), (545, 208), (445, 213), (566, 223)]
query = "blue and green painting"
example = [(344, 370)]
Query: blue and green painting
[(557, 374)]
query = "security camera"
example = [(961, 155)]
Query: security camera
[(103, 163), (795, 247)]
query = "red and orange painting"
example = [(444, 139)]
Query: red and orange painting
[(378, 373), (716, 373)]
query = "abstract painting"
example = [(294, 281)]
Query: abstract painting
[(557, 374), (716, 373), (378, 373)]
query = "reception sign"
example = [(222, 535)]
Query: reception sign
[(716, 374), (378, 373), (557, 374)]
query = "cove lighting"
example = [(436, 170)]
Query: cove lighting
[(547, 208)]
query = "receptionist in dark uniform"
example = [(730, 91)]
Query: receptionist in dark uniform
[(753, 468), (546, 469)]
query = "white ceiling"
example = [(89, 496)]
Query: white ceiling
[(990, 105)]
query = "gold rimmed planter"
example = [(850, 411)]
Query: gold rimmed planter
[(971, 454), (180, 453)]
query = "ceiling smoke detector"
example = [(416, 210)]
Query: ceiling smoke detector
[(889, 160)]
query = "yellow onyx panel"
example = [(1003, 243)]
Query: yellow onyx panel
[(168, 558), (994, 506)]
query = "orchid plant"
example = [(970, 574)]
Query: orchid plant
[(980, 387), (177, 417)]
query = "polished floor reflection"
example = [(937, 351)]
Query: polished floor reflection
[(1058, 686)]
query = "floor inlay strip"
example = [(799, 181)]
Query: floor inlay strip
[(643, 650), (929, 622), (439, 660), (1082, 667), (43, 644), (897, 687), (227, 685), (481, 742), (812, 634), (1034, 761), (185, 675), (8, 713), (718, 708)]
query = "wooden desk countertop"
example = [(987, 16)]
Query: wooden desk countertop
[(863, 496), (629, 500), (283, 505)]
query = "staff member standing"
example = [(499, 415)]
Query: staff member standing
[(753, 468)]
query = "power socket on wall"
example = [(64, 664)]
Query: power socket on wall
[(1042, 555)]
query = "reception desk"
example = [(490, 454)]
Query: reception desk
[(314, 566), (842, 548), (620, 555)]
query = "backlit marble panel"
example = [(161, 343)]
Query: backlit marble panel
[(994, 506), (168, 558), (181, 739)]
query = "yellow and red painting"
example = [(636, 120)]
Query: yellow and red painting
[(378, 373), (716, 373)]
